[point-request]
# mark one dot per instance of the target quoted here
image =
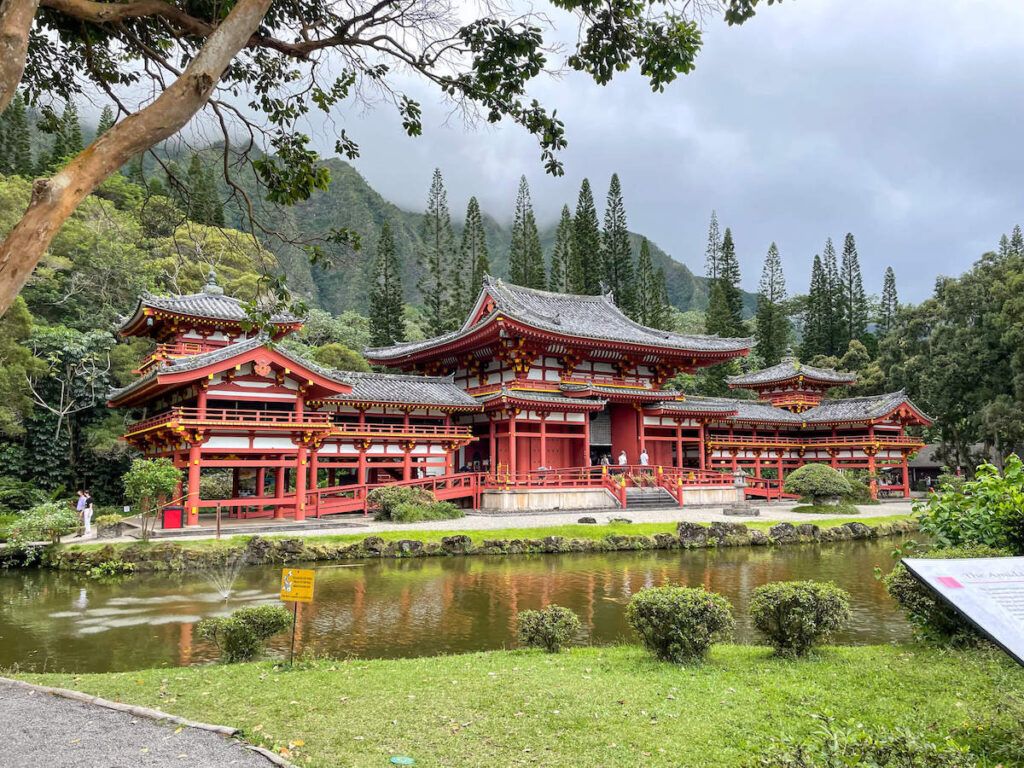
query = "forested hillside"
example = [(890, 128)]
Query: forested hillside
[(350, 202)]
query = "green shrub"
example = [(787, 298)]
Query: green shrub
[(109, 568), (549, 628), (833, 746), (932, 618), (387, 498), (817, 482), (860, 487), (408, 512), (240, 636), (108, 521), (797, 615), (44, 522), (987, 511), (16, 496), (215, 485), (842, 509), (679, 624), (146, 483)]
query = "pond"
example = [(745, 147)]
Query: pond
[(59, 621)]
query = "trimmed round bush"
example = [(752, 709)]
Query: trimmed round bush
[(413, 512), (387, 499), (817, 482), (795, 616), (241, 635), (679, 624), (931, 618), (549, 628)]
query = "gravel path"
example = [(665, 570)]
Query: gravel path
[(39, 730), (774, 512)]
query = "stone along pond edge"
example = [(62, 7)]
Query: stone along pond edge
[(258, 550)]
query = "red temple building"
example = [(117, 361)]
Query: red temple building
[(530, 393)]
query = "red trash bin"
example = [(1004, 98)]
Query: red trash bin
[(172, 517)]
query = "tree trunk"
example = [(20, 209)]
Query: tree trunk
[(15, 22), (54, 199)]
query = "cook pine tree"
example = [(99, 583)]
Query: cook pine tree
[(725, 303), (773, 328), (851, 296), (436, 256), (526, 257), (889, 304), (617, 252), (387, 325), (15, 139), (835, 322), (474, 249), (587, 262), (561, 254)]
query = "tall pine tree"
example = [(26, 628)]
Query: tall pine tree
[(816, 339), (202, 200), (852, 298), (1017, 242), (561, 254), (662, 315), (834, 317), (890, 303), (71, 127), (106, 121), (526, 257), (436, 258), (773, 328), (713, 251), (618, 255), (588, 265), (725, 305), (15, 144), (647, 295), (387, 325), (474, 249)]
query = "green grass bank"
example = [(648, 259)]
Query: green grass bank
[(608, 706), (204, 553)]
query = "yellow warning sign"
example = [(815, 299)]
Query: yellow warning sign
[(297, 585)]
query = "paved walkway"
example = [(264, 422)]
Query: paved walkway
[(774, 512), (39, 730)]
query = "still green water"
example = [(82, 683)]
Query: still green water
[(51, 620)]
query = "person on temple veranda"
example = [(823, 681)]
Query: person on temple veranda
[(623, 461), (645, 460)]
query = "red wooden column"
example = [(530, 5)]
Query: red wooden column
[(906, 475), (192, 505), (407, 460), (300, 483), (493, 447), (201, 400), (261, 480), (314, 479), (512, 443), (641, 430), (280, 485), (449, 458), (679, 444), (779, 457), (586, 440), (361, 467), (234, 482), (543, 439), (701, 455)]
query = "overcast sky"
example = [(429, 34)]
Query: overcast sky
[(898, 120)]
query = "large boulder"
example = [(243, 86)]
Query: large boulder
[(784, 533), (406, 547), (375, 545), (456, 545), (692, 535), (587, 521), (759, 538), (729, 534), (859, 530), (809, 530)]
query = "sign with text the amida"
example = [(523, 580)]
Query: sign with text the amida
[(987, 591)]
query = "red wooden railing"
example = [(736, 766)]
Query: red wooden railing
[(233, 417), (400, 430)]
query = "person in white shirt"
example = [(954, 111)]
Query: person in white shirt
[(622, 459), (645, 460)]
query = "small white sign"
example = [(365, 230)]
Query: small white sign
[(988, 591)]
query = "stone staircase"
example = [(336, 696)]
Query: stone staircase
[(649, 498)]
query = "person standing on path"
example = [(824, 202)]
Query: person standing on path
[(80, 508), (623, 461), (87, 512), (645, 460)]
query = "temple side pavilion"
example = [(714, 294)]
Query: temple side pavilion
[(533, 383)]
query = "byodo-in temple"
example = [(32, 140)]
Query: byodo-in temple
[(523, 407)]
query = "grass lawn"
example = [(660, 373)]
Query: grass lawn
[(611, 706), (571, 531)]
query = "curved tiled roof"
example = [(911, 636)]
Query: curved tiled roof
[(413, 390), (194, 362), (858, 408), (589, 317), (791, 368), (540, 397), (209, 303)]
